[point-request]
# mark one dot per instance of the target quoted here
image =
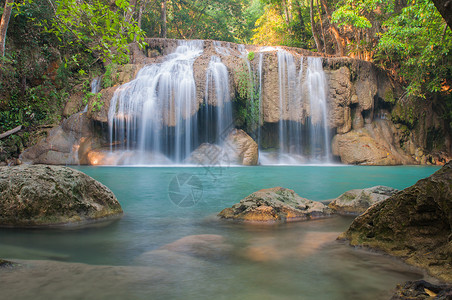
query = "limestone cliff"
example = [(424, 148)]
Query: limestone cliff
[(366, 115)]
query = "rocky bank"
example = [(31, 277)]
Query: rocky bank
[(414, 224)]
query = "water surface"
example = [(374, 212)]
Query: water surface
[(287, 261)]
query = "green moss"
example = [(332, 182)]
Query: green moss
[(389, 96), (251, 55)]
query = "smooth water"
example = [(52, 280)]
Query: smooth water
[(286, 261)]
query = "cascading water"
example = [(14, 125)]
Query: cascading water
[(315, 83), (290, 105), (218, 109), (156, 112), (303, 132), (260, 66)]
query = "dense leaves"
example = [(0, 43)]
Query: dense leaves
[(420, 42), (103, 30)]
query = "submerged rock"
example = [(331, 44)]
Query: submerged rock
[(421, 289), (414, 224), (275, 204), (201, 245), (357, 201), (32, 196), (192, 251)]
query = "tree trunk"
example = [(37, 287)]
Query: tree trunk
[(286, 15), (163, 32), (445, 9), (334, 30), (130, 13), (314, 33), (139, 18), (4, 24), (321, 26), (9, 132), (300, 17)]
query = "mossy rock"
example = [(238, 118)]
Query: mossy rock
[(414, 224), (275, 205), (39, 195)]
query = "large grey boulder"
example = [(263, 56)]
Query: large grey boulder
[(39, 195), (275, 204), (358, 200)]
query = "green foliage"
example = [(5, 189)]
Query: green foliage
[(107, 79), (419, 43), (357, 13), (244, 81), (103, 31), (96, 103), (389, 96), (404, 114), (247, 100), (251, 55)]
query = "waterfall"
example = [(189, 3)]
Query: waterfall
[(315, 83), (218, 101), (260, 66), (156, 112), (290, 108), (303, 133)]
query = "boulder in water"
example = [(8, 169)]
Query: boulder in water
[(242, 148), (414, 224), (237, 149), (38, 195), (275, 204), (357, 201)]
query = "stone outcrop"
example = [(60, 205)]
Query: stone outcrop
[(414, 224), (357, 201), (275, 205), (375, 144), (368, 124), (237, 149), (34, 196), (241, 148), (68, 143)]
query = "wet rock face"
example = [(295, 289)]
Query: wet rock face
[(375, 144), (241, 148), (65, 144), (237, 149), (33, 196), (358, 201), (414, 224), (275, 204)]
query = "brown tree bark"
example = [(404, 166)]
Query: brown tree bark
[(337, 36), (445, 9), (4, 24), (130, 13), (286, 14), (314, 33), (321, 26), (163, 31)]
